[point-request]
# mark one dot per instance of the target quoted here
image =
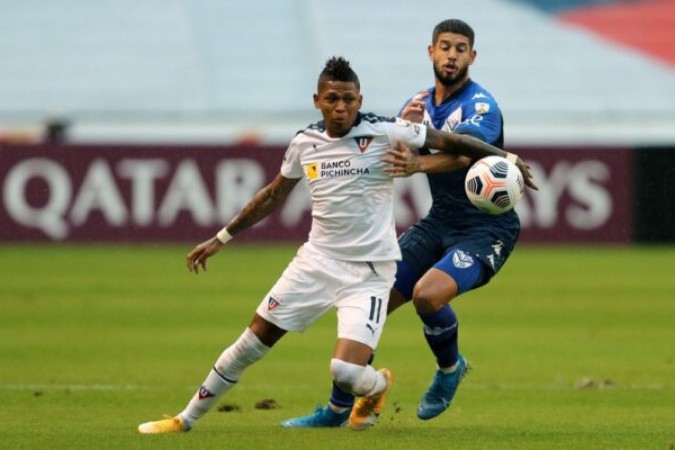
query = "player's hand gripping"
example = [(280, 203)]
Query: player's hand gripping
[(402, 162), (414, 111), (198, 256)]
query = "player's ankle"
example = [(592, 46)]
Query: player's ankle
[(338, 409), (449, 370)]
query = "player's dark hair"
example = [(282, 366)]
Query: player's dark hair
[(455, 26), (337, 69)]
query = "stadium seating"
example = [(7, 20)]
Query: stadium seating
[(255, 63)]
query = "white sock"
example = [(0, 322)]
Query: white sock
[(224, 375), (378, 380)]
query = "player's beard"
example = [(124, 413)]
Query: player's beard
[(450, 80)]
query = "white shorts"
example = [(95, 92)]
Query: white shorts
[(313, 283)]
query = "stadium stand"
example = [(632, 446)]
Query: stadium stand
[(219, 71)]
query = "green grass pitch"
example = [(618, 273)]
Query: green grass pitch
[(572, 348)]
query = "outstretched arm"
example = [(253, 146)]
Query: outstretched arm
[(462, 144), (264, 202)]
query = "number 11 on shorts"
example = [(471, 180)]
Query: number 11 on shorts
[(375, 309)]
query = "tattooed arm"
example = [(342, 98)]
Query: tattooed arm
[(264, 202)]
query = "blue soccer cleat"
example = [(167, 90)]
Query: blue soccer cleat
[(323, 417), (439, 395)]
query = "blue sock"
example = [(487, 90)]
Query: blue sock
[(344, 399), (341, 398), (440, 331)]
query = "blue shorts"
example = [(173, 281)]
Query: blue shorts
[(470, 256)]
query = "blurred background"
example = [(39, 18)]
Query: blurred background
[(157, 120)]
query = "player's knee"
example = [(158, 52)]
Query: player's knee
[(428, 299), (352, 377)]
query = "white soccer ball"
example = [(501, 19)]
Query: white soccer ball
[(494, 185)]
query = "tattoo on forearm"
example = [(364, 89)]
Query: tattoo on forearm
[(263, 204)]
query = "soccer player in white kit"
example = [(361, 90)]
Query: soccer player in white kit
[(349, 260)]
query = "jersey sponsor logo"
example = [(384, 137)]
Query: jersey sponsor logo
[(461, 260), (343, 168), (482, 108), (312, 171), (474, 120), (478, 95), (363, 142), (272, 303), (204, 393)]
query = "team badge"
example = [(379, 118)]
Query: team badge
[(363, 142), (454, 119), (272, 303), (312, 171), (482, 108), (204, 393), (461, 260)]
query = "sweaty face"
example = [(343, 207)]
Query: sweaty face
[(339, 102), (451, 56)]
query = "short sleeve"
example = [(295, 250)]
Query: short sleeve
[(412, 134), (290, 166)]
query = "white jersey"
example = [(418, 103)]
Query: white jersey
[(352, 196)]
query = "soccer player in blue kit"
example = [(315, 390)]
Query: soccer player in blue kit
[(456, 247)]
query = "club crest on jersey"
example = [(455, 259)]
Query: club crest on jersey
[(204, 393), (461, 260), (272, 303), (363, 142), (482, 108), (454, 119), (312, 171)]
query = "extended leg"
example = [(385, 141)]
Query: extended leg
[(251, 346)]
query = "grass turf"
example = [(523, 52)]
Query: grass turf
[(572, 348)]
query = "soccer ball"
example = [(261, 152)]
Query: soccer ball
[(494, 185)]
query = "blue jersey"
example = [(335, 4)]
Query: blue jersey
[(471, 110), (453, 223)]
